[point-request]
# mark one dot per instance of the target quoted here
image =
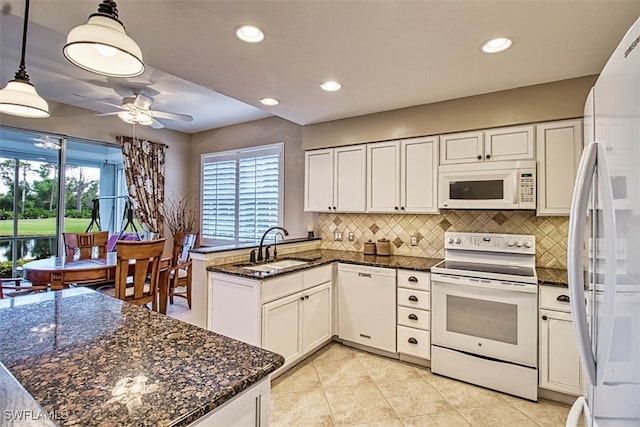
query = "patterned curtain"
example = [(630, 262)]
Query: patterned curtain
[(144, 169)]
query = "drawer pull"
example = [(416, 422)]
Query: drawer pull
[(413, 298), (413, 279), (412, 341), (413, 317), (365, 336), (563, 298), (364, 275)]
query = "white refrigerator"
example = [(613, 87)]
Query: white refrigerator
[(604, 244)]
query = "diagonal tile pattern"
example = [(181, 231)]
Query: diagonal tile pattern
[(341, 386), (551, 232)]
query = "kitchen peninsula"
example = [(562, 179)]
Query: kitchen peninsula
[(89, 359)]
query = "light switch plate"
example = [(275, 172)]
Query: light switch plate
[(337, 236), (351, 237)]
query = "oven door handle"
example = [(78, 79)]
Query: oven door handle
[(446, 279)]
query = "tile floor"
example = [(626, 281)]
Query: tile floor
[(340, 386)]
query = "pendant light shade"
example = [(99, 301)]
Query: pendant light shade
[(102, 46), (19, 96)]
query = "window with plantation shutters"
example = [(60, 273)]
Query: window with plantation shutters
[(241, 194)]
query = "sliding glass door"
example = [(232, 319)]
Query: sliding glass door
[(48, 185)]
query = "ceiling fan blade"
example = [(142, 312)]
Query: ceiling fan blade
[(171, 116), (107, 114), (101, 102), (156, 125)]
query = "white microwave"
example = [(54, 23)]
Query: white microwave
[(489, 185)]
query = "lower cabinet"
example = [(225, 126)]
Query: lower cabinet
[(559, 364), (414, 313), (298, 323)]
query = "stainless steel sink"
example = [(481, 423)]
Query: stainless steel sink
[(274, 266)]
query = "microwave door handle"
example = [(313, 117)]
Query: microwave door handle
[(515, 181), (605, 328), (575, 268)]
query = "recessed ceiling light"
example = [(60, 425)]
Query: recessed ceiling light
[(269, 101), (331, 86), (496, 45), (250, 34)]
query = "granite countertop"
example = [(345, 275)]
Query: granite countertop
[(90, 359), (326, 256), (546, 276)]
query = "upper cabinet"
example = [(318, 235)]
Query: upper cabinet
[(335, 179), (402, 176), (508, 143), (559, 147)]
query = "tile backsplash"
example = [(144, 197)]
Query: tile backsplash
[(551, 232)]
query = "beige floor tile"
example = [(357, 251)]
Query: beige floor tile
[(386, 423), (413, 397), (358, 405), (440, 419), (382, 369), (302, 377), (300, 409), (545, 412), (497, 415), (343, 373), (332, 353), (462, 395)]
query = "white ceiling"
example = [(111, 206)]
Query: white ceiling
[(387, 54)]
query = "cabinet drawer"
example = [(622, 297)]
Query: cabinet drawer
[(281, 286), (414, 298), (554, 298), (414, 342), (414, 318), (414, 280), (316, 276)]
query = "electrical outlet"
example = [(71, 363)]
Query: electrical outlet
[(337, 236), (351, 237), (414, 240)]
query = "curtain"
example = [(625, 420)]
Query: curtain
[(144, 163)]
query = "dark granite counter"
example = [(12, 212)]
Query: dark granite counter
[(326, 256), (17, 405), (552, 277), (94, 360)]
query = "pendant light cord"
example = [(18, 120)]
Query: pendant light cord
[(21, 74)]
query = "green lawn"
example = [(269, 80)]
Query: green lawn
[(42, 227)]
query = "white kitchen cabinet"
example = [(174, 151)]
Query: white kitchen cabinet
[(335, 179), (499, 144), (367, 306), (402, 176), (281, 327), (414, 313), (316, 317), (559, 362), (558, 151)]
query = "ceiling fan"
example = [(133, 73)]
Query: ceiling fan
[(137, 110)]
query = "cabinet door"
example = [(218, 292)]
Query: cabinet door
[(350, 179), (383, 175), (558, 147), (316, 317), (464, 147), (318, 181), (512, 143), (419, 175), (281, 327), (367, 309), (559, 360)]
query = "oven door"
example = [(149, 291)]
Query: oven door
[(489, 318), (487, 189)]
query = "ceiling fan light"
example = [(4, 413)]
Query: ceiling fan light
[(127, 117), (101, 46), (19, 98), (144, 119)]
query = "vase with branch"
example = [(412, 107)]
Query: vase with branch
[(181, 214)]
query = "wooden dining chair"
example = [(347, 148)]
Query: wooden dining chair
[(18, 288), (180, 270), (138, 270), (84, 244)]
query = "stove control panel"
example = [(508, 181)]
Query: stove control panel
[(490, 242)]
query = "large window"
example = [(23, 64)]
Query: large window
[(241, 194), (47, 186)]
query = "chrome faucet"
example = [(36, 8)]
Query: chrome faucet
[(284, 230)]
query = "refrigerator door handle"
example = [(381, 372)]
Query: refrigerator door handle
[(605, 328), (575, 267)]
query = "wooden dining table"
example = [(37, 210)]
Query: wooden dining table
[(60, 272)]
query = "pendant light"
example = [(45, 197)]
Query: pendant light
[(102, 46), (19, 96)]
